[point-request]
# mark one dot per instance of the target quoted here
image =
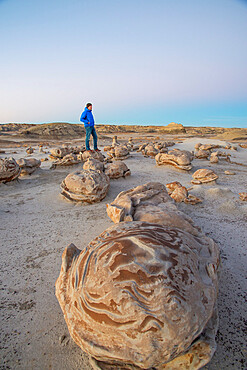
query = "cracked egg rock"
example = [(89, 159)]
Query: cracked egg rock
[(141, 294)]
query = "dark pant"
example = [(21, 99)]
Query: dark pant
[(90, 130)]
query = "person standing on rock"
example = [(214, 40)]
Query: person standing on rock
[(88, 120)]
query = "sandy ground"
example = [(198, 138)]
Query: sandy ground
[(37, 224)]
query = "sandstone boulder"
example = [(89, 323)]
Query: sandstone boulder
[(203, 176), (67, 160), (119, 152), (142, 294), (28, 165), (179, 158), (202, 154), (86, 185), (150, 150), (96, 155), (117, 169), (9, 169), (60, 152), (93, 164)]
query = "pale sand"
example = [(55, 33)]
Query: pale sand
[(37, 224)]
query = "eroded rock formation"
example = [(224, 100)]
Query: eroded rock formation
[(86, 185), (9, 169), (117, 169), (67, 160), (28, 165), (119, 152), (178, 158), (93, 164), (203, 175)]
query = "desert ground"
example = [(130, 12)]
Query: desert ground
[(37, 223)]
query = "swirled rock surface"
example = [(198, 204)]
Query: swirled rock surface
[(178, 158), (203, 175), (117, 169), (86, 185), (28, 165), (142, 294), (9, 169)]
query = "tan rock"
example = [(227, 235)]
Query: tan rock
[(209, 146), (197, 146), (192, 199), (60, 152), (229, 172), (179, 194), (202, 154), (172, 186), (178, 158), (30, 150), (67, 160), (243, 145), (117, 169), (142, 294), (28, 165), (214, 157), (9, 169), (243, 196), (93, 164), (120, 152), (96, 155), (203, 176), (149, 203), (150, 150), (86, 185)]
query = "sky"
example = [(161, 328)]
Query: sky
[(138, 61)]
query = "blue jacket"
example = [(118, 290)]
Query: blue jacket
[(87, 116)]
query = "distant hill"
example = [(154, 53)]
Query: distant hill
[(64, 130)]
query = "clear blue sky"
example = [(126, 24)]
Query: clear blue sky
[(137, 61)]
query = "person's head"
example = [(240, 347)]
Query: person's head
[(89, 106)]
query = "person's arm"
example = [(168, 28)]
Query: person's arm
[(84, 117)]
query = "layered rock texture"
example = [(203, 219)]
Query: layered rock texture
[(9, 169), (28, 165), (86, 185), (143, 294), (203, 175), (179, 158)]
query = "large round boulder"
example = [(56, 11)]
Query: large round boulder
[(86, 185), (142, 294)]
